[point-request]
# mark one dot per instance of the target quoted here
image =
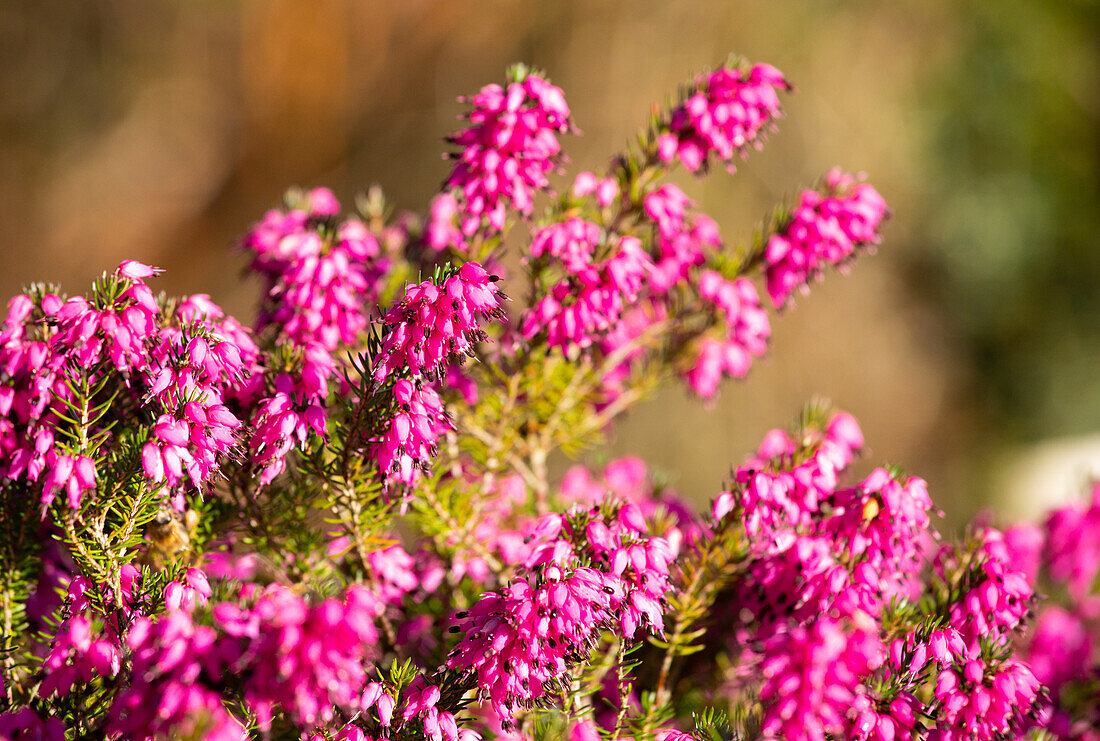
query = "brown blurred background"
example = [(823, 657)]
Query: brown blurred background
[(159, 130)]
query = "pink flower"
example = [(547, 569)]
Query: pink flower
[(507, 151), (292, 414), (83, 342), (321, 274), (440, 231), (746, 333), (420, 700), (999, 597), (584, 730), (77, 656), (1025, 546), (192, 592), (1061, 648), (136, 271), (573, 242), (793, 581), (726, 112), (303, 660), (883, 522), (322, 202), (581, 308), (192, 376), (984, 701), (459, 381), (435, 325), (519, 641), (826, 228), (813, 675), (409, 444), (72, 474), (1072, 550), (606, 189), (683, 237)]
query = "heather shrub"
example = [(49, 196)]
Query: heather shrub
[(338, 520)]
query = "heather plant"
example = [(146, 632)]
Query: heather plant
[(339, 521)]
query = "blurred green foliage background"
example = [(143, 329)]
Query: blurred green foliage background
[(158, 130)]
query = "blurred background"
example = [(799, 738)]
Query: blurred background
[(967, 346)]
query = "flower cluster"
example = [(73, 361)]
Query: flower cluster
[(621, 547), (36, 359), (812, 676), (435, 324), (825, 228), (421, 702), (829, 567), (727, 111), (184, 365), (440, 231), (88, 644), (321, 282), (173, 657), (199, 368), (286, 656), (629, 480), (293, 410), (519, 642), (1062, 556), (884, 523), (1070, 551), (25, 723), (785, 484), (320, 274), (397, 573), (983, 701), (606, 190), (432, 326), (214, 530), (504, 155), (683, 239), (409, 443), (591, 298), (999, 597), (745, 335)]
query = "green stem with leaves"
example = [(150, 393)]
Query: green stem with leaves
[(711, 566)]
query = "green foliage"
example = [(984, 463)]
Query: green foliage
[(19, 568), (1013, 169)]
